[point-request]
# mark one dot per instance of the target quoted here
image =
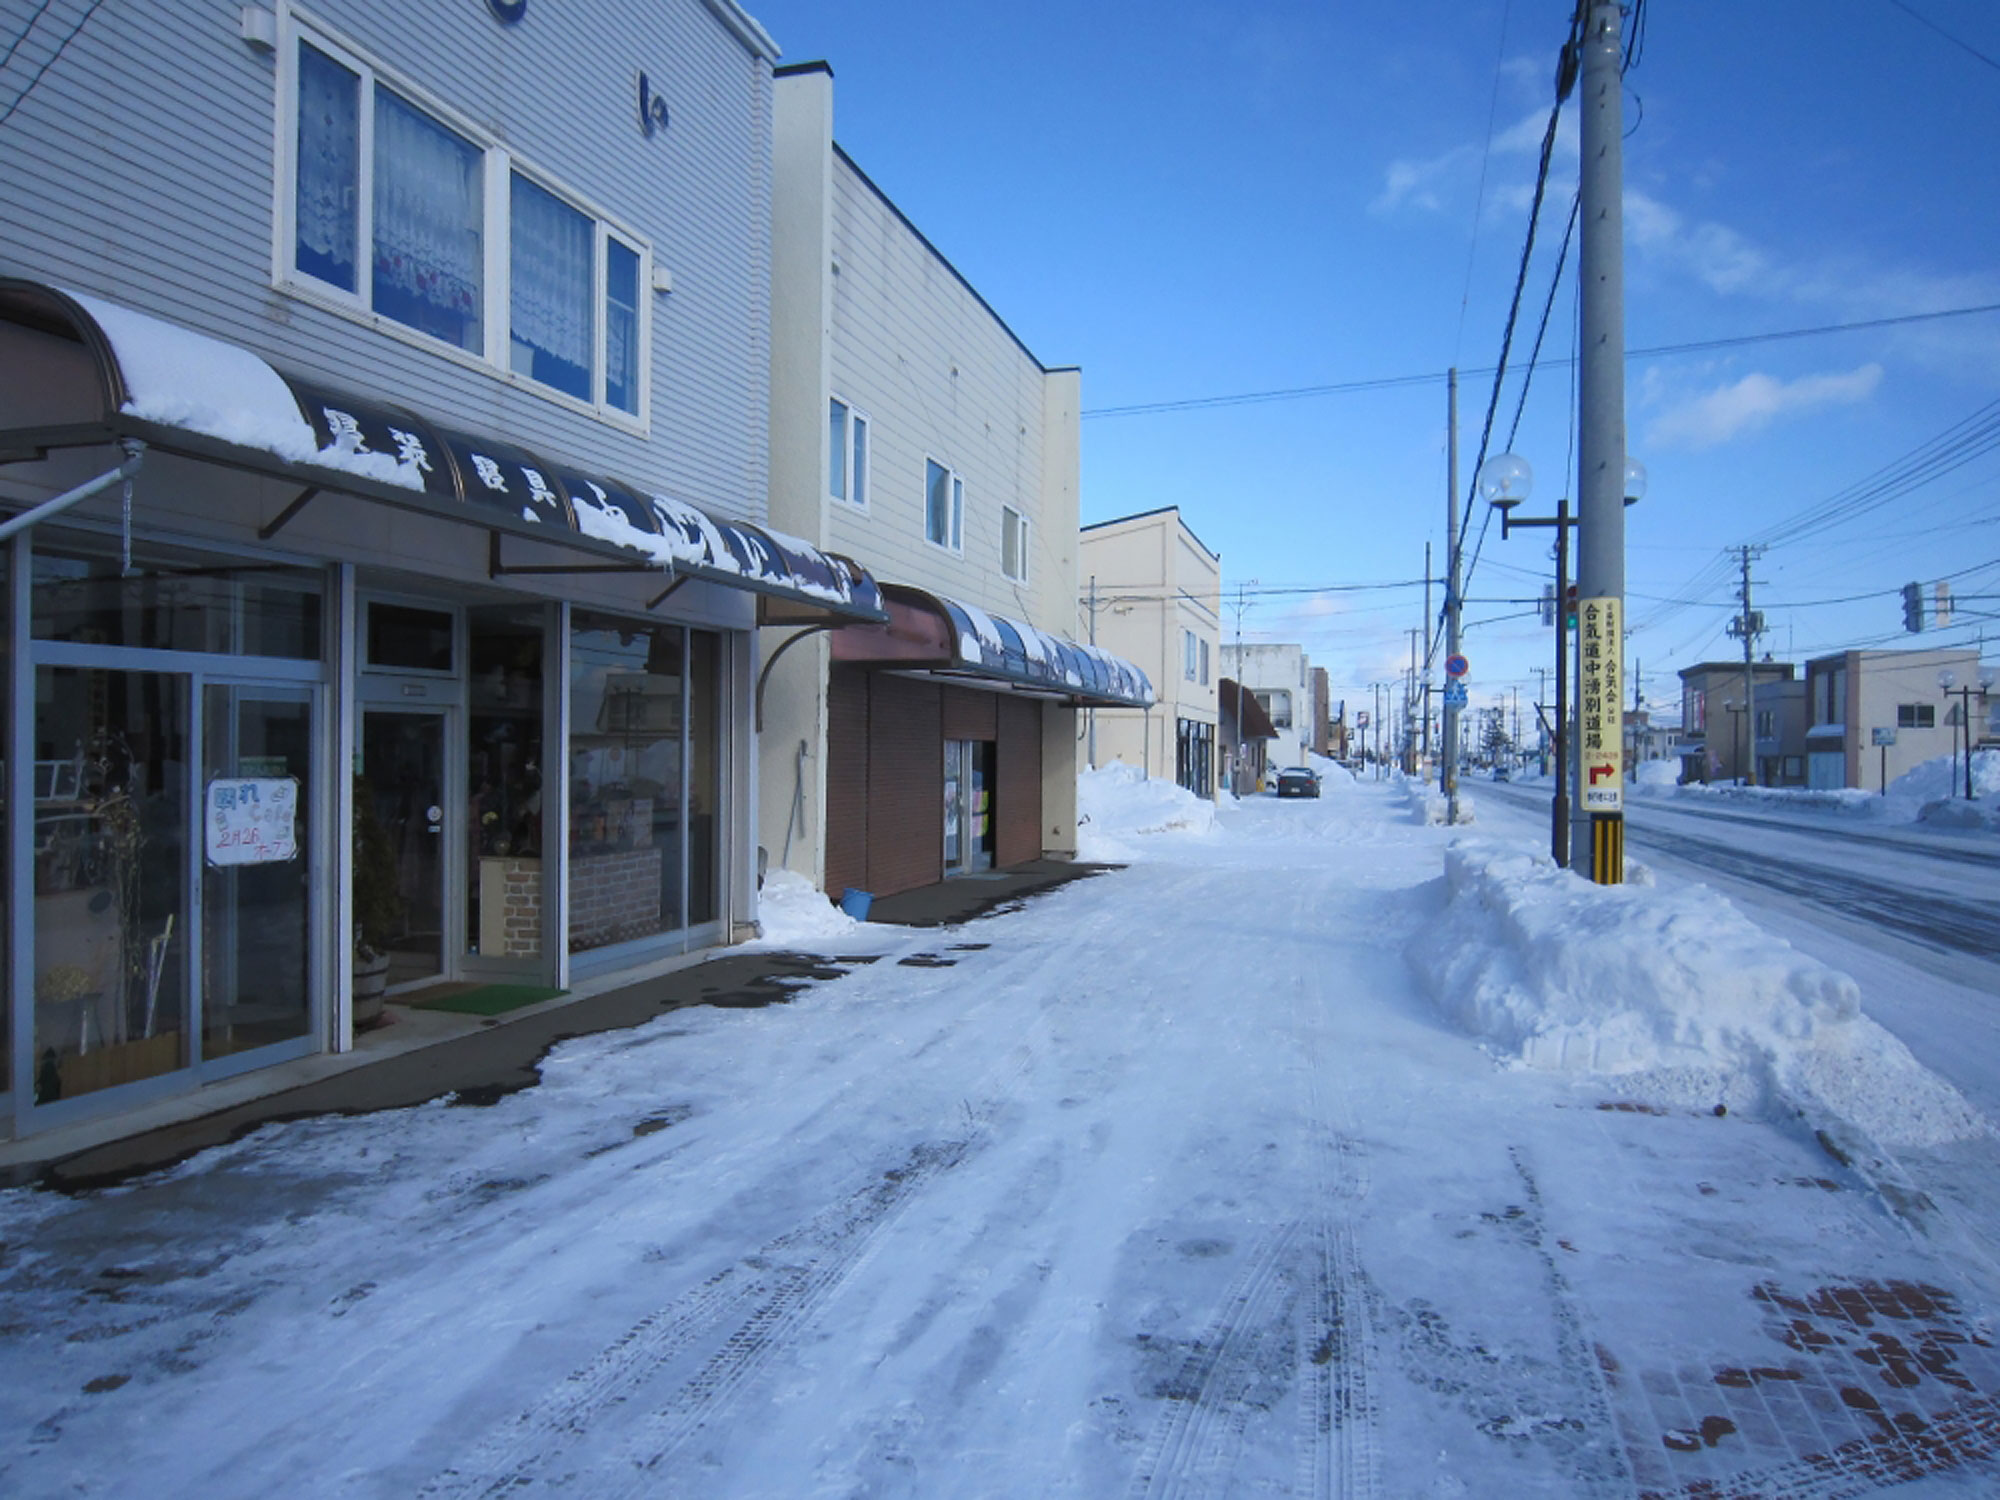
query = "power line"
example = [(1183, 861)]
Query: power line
[(1437, 377), (49, 61), (1959, 42)]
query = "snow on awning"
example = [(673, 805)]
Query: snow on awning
[(951, 638), (204, 398)]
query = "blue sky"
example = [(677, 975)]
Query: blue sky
[(1197, 200)]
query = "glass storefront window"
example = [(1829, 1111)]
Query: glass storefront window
[(644, 780), (256, 938), (504, 782), (173, 600), (704, 776), (408, 638), (110, 838)]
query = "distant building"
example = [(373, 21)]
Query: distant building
[(1154, 592), (1280, 678), (1717, 724), (1246, 733), (1860, 699)]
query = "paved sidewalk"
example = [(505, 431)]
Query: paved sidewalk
[(423, 1055)]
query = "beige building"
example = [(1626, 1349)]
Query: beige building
[(912, 431), (1856, 699), (1153, 591)]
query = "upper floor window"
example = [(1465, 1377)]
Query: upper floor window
[(395, 211), (1190, 656), (846, 453), (1916, 716), (1013, 544), (1204, 663), (944, 506)]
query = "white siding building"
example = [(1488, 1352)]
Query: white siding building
[(420, 648), (1280, 677)]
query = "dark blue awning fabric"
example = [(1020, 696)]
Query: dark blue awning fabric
[(1017, 653), (186, 392)]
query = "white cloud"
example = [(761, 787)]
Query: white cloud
[(1753, 403)]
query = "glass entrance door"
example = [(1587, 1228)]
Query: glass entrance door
[(968, 806), (399, 842), (257, 936)]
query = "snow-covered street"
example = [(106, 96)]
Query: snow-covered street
[(1179, 1180)]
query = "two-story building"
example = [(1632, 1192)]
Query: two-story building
[(1876, 715), (1723, 727), (913, 430), (1153, 595), (384, 421), (1280, 677)]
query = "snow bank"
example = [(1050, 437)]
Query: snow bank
[(1430, 806), (1117, 803), (1933, 793), (1675, 993), (1652, 773), (794, 914)]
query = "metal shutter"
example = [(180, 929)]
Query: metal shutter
[(905, 785), (846, 780), (969, 715), (1018, 837)]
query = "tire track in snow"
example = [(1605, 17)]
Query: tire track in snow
[(1340, 1455), (1201, 1428), (725, 1327), (762, 1301)]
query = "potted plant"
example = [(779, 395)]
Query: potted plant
[(378, 906)]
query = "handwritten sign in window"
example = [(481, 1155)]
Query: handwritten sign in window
[(251, 820)]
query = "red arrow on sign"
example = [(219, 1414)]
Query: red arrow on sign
[(1598, 773)]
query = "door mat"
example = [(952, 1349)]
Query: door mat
[(490, 999)]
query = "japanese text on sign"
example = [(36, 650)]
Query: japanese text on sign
[(1600, 718), (251, 820)]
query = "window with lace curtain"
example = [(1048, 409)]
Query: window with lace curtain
[(395, 213)]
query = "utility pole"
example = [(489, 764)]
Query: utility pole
[(1451, 604), (1428, 654), (1541, 720), (1236, 770), (1093, 641), (1598, 845), (1749, 625), (1410, 707)]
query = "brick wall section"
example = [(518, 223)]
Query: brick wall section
[(613, 898), (522, 909)]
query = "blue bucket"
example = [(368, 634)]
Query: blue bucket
[(856, 903)]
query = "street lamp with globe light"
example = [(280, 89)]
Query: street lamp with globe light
[(1505, 480)]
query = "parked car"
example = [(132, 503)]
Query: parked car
[(1298, 781), (1500, 773)]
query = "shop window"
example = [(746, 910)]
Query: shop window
[(173, 600), (846, 453), (109, 866), (389, 215), (504, 646), (644, 780), (409, 638)]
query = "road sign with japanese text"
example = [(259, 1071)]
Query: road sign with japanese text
[(1600, 719)]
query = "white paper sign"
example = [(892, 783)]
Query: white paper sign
[(251, 820)]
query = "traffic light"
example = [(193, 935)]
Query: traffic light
[(1569, 609), (1913, 606)]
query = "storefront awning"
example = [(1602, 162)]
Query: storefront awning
[(201, 398), (929, 634)]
